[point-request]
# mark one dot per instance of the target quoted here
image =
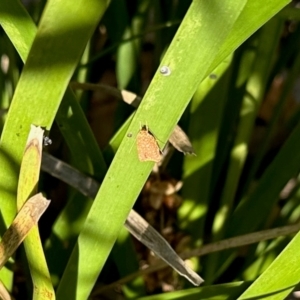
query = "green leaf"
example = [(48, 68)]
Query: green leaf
[(126, 175), (59, 43), (228, 291), (280, 278)]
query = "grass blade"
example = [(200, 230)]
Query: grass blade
[(28, 181), (280, 278), (46, 75), (127, 174)]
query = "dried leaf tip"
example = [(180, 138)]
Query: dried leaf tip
[(147, 146)]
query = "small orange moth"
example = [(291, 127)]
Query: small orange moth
[(147, 146)]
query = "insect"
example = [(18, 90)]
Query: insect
[(147, 146)]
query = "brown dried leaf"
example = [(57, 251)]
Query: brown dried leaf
[(26, 218), (181, 142)]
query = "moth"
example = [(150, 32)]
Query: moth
[(147, 146)]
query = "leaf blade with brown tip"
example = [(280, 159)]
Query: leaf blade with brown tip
[(28, 180), (26, 218)]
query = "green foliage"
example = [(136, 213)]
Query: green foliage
[(223, 58)]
